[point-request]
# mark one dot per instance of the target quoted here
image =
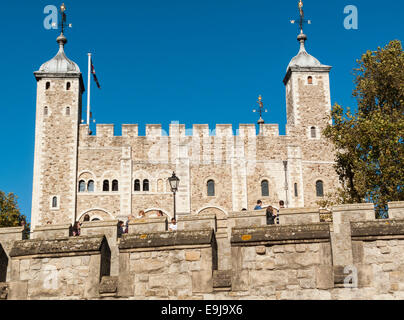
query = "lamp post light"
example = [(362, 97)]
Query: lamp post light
[(174, 182)]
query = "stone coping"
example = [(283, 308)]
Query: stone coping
[(396, 204), (377, 228), (294, 211), (164, 239), (274, 233), (353, 207), (97, 224), (11, 230), (196, 217), (66, 245), (246, 214), (148, 220), (50, 227)]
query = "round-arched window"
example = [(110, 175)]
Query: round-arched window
[(320, 188), (264, 188), (211, 188)]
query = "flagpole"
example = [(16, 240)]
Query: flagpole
[(88, 92)]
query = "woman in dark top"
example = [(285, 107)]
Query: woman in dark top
[(270, 215)]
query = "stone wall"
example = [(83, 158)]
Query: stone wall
[(216, 257)]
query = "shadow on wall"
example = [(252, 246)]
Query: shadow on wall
[(3, 264)]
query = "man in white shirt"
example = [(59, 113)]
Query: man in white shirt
[(173, 225)]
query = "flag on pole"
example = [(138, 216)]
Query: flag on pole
[(94, 75)]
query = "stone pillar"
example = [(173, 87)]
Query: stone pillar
[(341, 241), (126, 184), (183, 200), (396, 210)]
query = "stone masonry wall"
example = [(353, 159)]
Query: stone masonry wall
[(354, 257)]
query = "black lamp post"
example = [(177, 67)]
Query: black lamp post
[(174, 182)]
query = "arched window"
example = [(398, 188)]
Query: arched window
[(68, 111), (54, 202), (313, 132), (264, 188), (45, 111), (68, 85), (320, 188), (145, 185), (90, 186), (296, 193), (82, 186), (211, 188), (47, 86), (137, 185), (95, 219), (105, 185), (310, 80), (115, 185)]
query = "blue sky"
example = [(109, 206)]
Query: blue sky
[(190, 61)]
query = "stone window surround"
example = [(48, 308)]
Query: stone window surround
[(205, 193), (318, 133), (315, 187), (57, 202), (260, 187)]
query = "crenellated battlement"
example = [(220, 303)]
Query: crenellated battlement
[(179, 130)]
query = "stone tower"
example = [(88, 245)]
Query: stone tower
[(58, 116), (308, 106)]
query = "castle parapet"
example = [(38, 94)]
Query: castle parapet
[(247, 219), (197, 222), (396, 210), (85, 259), (224, 130), (299, 216), (153, 130), (148, 225), (177, 130), (270, 130), (247, 130), (51, 231), (105, 130), (130, 130)]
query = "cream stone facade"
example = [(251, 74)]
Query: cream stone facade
[(112, 177)]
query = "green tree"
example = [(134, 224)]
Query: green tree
[(370, 145), (10, 215)]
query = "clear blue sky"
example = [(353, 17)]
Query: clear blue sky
[(191, 61)]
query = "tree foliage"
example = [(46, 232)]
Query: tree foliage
[(370, 155), (10, 215)]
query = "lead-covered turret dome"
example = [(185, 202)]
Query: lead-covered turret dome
[(60, 63)]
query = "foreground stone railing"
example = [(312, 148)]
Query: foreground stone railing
[(167, 264), (209, 257), (197, 222), (145, 225), (7, 238), (69, 268), (299, 216), (396, 210), (52, 231)]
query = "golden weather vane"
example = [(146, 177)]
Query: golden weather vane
[(63, 20), (260, 109), (302, 21)]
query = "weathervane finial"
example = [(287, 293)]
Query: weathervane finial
[(260, 109), (302, 21)]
